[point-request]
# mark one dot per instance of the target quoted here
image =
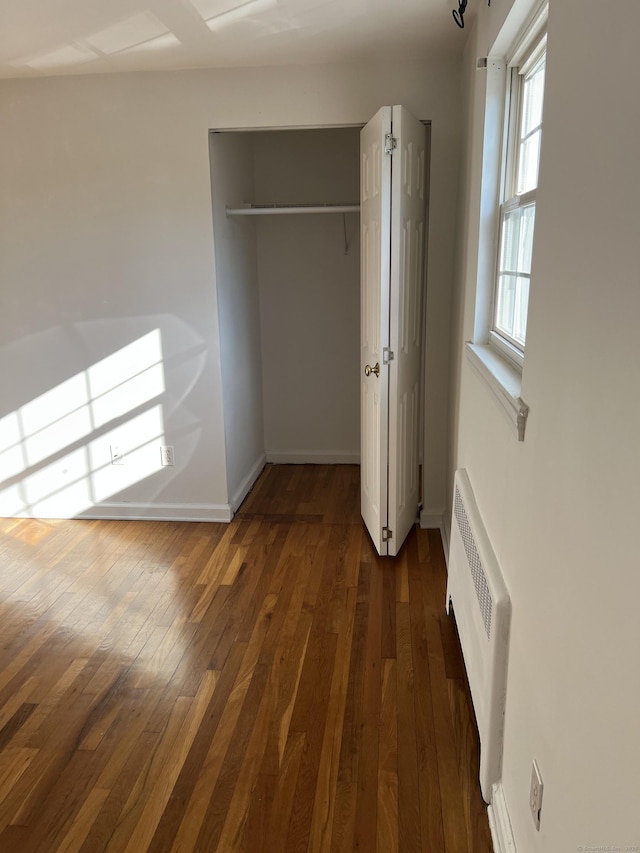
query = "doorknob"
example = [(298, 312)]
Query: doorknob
[(375, 369)]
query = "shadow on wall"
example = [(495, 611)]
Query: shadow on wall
[(100, 431)]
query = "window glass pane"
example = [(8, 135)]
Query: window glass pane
[(506, 303), (510, 231), (517, 239), (513, 276), (529, 132), (525, 243), (532, 95), (521, 306), (528, 163), (512, 307)]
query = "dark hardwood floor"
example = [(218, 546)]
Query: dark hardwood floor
[(268, 685)]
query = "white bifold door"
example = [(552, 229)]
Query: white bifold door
[(392, 214)]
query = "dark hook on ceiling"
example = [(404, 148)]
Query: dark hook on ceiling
[(458, 14)]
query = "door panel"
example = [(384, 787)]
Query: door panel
[(375, 212), (393, 209), (407, 259)]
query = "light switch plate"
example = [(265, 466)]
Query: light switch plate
[(535, 794)]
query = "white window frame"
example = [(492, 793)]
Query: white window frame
[(495, 360), (528, 52)]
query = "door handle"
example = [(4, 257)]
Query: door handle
[(375, 369)]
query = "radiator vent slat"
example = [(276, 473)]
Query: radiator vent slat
[(475, 563)]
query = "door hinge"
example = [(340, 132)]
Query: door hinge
[(390, 142), (386, 534), (387, 355)]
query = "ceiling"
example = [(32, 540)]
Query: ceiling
[(52, 37)]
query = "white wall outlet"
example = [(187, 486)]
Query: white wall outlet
[(117, 455), (535, 794), (166, 455)]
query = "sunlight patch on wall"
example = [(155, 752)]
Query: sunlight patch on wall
[(62, 488), (126, 379), (55, 420), (11, 451), (140, 438), (55, 451)]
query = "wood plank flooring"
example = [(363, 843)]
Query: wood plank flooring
[(268, 685)]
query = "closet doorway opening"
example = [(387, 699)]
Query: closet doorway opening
[(288, 286), (295, 308)]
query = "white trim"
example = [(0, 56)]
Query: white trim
[(246, 485), (507, 350), (431, 520), (281, 209), (437, 521), (312, 457), (125, 511), (534, 54), (258, 128), (499, 823), (492, 182), (504, 381), (445, 532), (527, 50), (530, 33)]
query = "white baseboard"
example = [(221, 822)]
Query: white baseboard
[(430, 520), (159, 512), (499, 823), (312, 457), (445, 531), (435, 521), (245, 486)]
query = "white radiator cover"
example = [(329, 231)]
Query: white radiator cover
[(482, 607)]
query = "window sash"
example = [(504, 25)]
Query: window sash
[(510, 310), (511, 285), (523, 178)]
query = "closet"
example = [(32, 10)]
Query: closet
[(322, 360), (288, 285)]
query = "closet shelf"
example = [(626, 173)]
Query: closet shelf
[(269, 209)]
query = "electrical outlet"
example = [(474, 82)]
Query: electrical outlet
[(535, 794), (166, 455), (117, 455)]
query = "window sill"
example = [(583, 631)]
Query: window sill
[(504, 381)]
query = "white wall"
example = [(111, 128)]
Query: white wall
[(106, 223), (105, 236), (309, 295), (561, 508), (232, 185)]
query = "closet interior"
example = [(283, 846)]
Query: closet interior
[(287, 260)]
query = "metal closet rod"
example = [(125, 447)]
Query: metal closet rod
[(264, 209)]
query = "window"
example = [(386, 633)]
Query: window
[(518, 207)]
